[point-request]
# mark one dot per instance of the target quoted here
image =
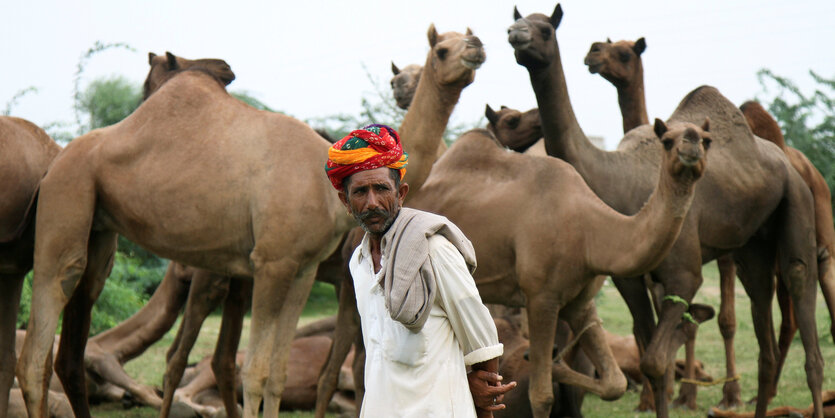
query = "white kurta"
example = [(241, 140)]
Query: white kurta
[(423, 374)]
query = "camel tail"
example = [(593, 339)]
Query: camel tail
[(26, 221)]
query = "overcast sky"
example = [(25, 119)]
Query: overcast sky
[(306, 58)]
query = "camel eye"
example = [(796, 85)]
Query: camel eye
[(624, 56), (706, 142), (442, 53), (668, 144), (546, 32), (513, 122)]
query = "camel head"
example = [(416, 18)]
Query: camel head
[(685, 146), (514, 129), (534, 38), (165, 67), (404, 83), (618, 62), (454, 57)]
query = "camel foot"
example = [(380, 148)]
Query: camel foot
[(647, 401), (182, 410), (686, 397), (731, 398)]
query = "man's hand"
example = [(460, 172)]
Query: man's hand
[(488, 392)]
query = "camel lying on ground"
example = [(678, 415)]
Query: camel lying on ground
[(27, 152), (534, 196), (768, 219), (620, 63), (233, 204), (784, 411)]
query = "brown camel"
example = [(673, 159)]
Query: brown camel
[(516, 269), (449, 68), (195, 176), (404, 83), (784, 411), (516, 130), (620, 63), (770, 218), (27, 152)]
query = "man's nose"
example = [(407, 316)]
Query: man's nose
[(373, 200)]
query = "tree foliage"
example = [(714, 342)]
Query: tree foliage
[(807, 119)]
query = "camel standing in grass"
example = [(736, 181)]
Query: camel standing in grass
[(620, 63), (196, 176), (26, 153), (770, 219), (543, 201)]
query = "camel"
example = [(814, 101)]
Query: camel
[(27, 152), (558, 281), (784, 411), (450, 66), (620, 63), (521, 132), (198, 177), (770, 218), (404, 83)]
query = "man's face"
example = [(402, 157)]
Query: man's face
[(372, 198)]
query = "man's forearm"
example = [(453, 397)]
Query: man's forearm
[(491, 365)]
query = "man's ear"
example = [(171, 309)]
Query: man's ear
[(402, 192), (344, 199)]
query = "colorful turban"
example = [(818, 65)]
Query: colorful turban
[(371, 147)]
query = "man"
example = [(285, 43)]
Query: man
[(422, 319)]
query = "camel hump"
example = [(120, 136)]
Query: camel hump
[(727, 124)]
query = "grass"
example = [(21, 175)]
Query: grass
[(792, 390)]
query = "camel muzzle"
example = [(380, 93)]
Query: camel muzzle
[(519, 36)]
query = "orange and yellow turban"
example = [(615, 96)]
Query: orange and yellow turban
[(371, 147)]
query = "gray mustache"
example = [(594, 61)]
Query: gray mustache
[(373, 212)]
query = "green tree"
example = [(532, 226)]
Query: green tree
[(107, 101), (807, 119)]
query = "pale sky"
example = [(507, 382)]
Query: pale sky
[(306, 57)]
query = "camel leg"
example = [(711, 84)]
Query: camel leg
[(76, 322), (755, 262), (634, 293), (687, 391), (543, 314), (10, 287), (731, 397), (358, 367), (206, 292), (347, 328), (826, 277), (798, 270), (223, 361), (610, 383), (788, 328)]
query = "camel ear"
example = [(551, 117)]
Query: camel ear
[(701, 313), (469, 31), (491, 115), (394, 69), (516, 14), (706, 125), (608, 40), (556, 17), (151, 57), (640, 46), (660, 128), (172, 61), (432, 34)]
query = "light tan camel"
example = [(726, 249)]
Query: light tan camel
[(770, 218), (26, 153), (521, 266), (449, 68), (620, 63), (195, 176)]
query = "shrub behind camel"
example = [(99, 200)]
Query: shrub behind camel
[(770, 219), (620, 63)]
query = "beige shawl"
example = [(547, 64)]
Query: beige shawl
[(409, 281)]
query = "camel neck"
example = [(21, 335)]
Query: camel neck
[(423, 126), (633, 106), (658, 223)]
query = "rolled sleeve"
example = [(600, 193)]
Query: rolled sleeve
[(457, 294)]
